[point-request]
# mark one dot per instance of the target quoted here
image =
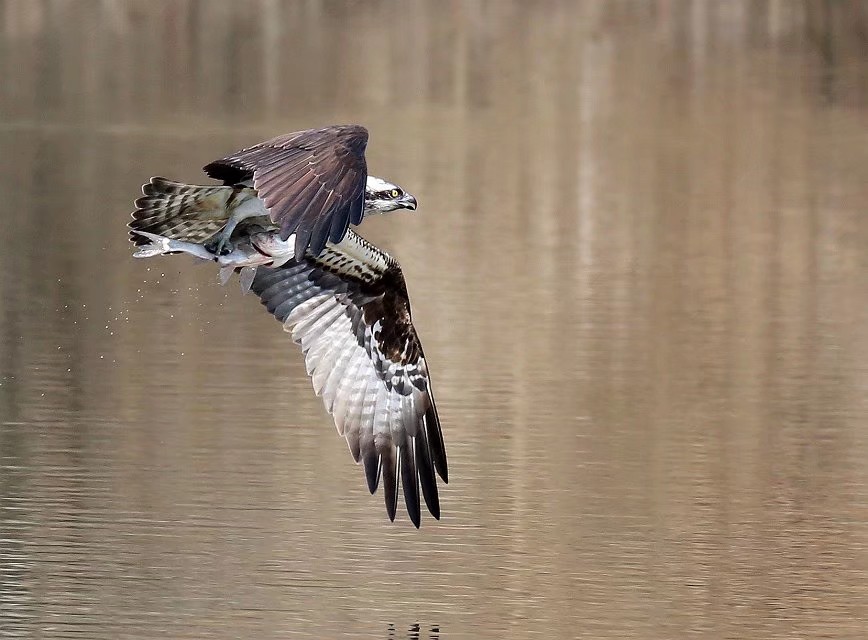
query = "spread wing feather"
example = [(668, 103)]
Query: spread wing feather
[(312, 182), (349, 311)]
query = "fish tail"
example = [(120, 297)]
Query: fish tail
[(155, 245), (179, 211)]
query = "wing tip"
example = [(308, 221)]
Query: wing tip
[(435, 440), (372, 471), (390, 473), (410, 483), (427, 479)]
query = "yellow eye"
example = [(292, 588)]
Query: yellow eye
[(395, 193)]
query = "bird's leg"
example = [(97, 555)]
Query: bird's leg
[(219, 244)]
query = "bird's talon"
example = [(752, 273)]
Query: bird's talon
[(219, 246)]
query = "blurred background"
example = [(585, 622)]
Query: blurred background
[(638, 268)]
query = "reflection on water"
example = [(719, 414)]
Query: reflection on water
[(638, 269)]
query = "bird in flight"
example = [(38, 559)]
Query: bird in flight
[(281, 219)]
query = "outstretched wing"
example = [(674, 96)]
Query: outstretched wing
[(348, 309), (312, 182)]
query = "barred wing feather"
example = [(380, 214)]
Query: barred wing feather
[(352, 320)]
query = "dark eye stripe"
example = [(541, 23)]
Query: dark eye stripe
[(387, 194)]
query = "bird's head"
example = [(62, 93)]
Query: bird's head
[(382, 197)]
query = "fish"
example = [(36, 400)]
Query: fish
[(264, 248)]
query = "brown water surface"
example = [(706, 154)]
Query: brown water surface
[(639, 270)]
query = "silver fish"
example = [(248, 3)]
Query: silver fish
[(257, 249)]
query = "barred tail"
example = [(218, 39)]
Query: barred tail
[(181, 211)]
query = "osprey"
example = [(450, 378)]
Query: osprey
[(281, 219)]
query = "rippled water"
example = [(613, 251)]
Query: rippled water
[(638, 268)]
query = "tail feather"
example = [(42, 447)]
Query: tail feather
[(181, 211)]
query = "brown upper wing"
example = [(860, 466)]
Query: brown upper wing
[(312, 182)]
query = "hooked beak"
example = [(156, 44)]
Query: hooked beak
[(407, 202)]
